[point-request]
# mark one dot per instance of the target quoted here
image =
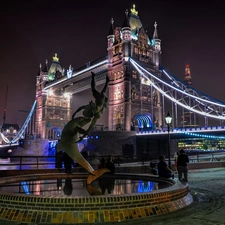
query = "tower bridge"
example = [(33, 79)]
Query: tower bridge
[(140, 91)]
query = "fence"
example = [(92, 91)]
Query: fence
[(52, 162)]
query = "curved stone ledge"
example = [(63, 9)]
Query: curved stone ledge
[(91, 209)]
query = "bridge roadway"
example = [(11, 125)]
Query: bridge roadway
[(208, 131)]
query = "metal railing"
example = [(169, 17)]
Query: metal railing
[(27, 162), (52, 162)]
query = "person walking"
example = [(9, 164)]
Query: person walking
[(182, 161), (163, 169), (175, 160)]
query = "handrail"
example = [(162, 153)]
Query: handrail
[(50, 162)]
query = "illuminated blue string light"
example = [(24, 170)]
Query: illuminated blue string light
[(204, 136)]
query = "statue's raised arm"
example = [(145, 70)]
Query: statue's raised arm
[(98, 107)]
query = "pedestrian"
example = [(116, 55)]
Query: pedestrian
[(68, 162), (182, 161), (163, 169), (175, 159), (110, 164), (153, 168)]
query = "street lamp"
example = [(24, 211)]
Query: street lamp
[(168, 120)]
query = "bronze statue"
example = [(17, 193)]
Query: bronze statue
[(71, 132), (94, 109)]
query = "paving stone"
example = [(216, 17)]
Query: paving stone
[(208, 207)]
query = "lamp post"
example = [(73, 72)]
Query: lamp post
[(168, 120)]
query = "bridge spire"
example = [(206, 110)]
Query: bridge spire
[(46, 66), (39, 70), (111, 29), (126, 29), (126, 21), (111, 36), (134, 11), (155, 34), (156, 43)]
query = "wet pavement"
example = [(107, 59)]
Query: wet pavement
[(207, 187)]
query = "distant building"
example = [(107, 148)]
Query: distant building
[(9, 131), (189, 118), (187, 77)]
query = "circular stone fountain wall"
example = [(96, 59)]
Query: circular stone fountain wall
[(91, 209)]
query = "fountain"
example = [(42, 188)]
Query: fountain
[(96, 207)]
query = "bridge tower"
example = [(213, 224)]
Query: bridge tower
[(53, 109), (132, 100)]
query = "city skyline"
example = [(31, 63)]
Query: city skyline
[(33, 31)]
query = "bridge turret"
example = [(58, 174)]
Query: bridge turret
[(45, 70), (156, 42), (126, 37), (111, 36), (111, 39), (126, 29), (55, 70), (40, 79), (42, 76), (129, 94)]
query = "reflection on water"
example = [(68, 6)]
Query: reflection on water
[(68, 187), (78, 187), (146, 186)]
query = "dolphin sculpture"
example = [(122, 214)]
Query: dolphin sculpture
[(68, 143)]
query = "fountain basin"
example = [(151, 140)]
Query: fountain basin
[(91, 209)]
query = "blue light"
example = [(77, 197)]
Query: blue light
[(145, 186), (25, 187), (204, 136), (96, 137), (144, 120)]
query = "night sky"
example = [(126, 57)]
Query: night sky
[(32, 31)]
